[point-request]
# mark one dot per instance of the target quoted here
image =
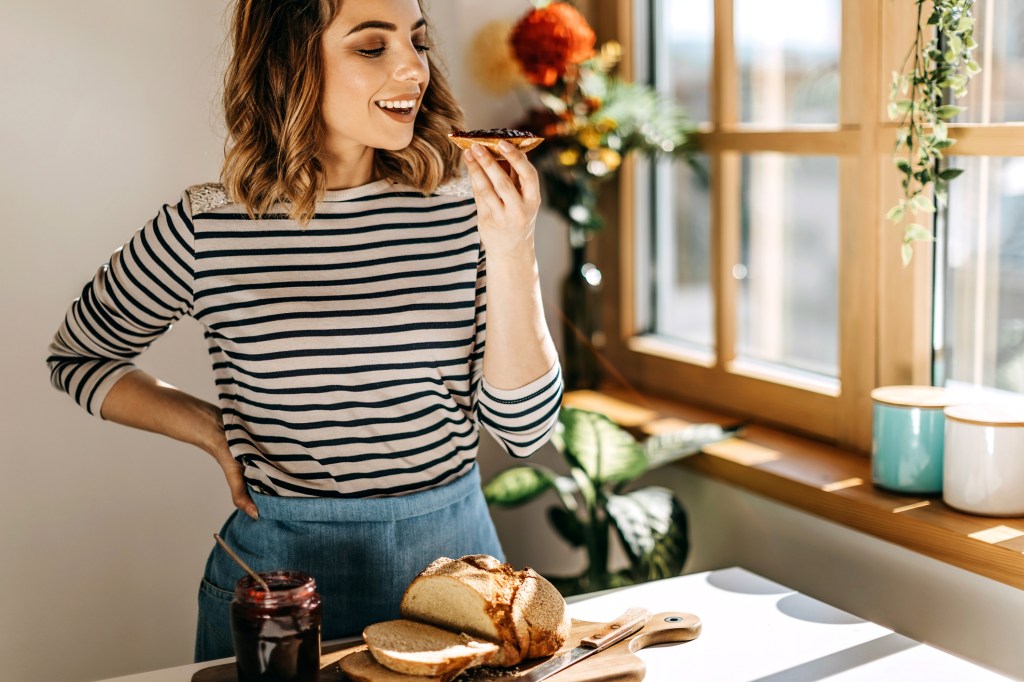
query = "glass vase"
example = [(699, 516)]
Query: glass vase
[(582, 336)]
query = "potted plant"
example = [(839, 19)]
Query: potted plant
[(594, 501), (936, 70)]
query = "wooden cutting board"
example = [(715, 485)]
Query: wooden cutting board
[(615, 664)]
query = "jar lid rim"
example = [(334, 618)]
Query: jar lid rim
[(917, 396), (295, 585), (986, 414)]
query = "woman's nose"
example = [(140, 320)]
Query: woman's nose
[(412, 67)]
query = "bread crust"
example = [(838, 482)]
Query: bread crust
[(492, 138)]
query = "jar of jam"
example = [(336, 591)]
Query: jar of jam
[(277, 634)]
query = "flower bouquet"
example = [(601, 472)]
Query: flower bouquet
[(590, 119)]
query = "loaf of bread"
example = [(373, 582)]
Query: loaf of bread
[(473, 598), (465, 139)]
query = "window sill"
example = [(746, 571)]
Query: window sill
[(828, 482)]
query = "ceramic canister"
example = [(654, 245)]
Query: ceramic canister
[(908, 430), (984, 459)]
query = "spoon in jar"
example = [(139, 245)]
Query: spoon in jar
[(245, 566)]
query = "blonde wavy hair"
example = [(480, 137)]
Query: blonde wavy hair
[(272, 107)]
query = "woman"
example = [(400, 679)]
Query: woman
[(342, 282)]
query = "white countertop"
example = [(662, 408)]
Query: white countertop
[(753, 630)]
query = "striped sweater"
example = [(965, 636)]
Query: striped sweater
[(347, 354)]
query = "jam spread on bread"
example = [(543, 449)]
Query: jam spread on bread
[(498, 133)]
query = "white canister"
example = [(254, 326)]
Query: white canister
[(983, 463)]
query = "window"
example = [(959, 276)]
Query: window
[(979, 321), (763, 279)]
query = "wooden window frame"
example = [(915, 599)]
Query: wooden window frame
[(884, 338)]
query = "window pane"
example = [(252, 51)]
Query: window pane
[(979, 335), (789, 67), (683, 301), (789, 262), (683, 31), (996, 95)]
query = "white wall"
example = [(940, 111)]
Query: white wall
[(108, 109)]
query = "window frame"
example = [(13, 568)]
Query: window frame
[(884, 337)]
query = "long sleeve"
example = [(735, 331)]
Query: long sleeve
[(521, 419), (132, 300)]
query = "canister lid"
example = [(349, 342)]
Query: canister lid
[(916, 396), (987, 414)]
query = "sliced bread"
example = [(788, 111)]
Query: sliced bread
[(360, 666), (413, 648)]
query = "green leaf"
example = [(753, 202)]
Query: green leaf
[(956, 45), (949, 111), (921, 203), (568, 525), (906, 253), (605, 452), (917, 233), (664, 448), (518, 485), (950, 173), (904, 165), (652, 526), (895, 214)]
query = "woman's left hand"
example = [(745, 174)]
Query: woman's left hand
[(506, 203)]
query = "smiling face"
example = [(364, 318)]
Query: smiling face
[(374, 75)]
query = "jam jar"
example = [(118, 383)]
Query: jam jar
[(277, 634)]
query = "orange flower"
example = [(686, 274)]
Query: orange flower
[(550, 39)]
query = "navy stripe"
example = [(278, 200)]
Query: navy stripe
[(349, 282), (362, 296), (346, 313), (349, 424), (346, 247), (344, 352), (336, 388), (327, 267), (335, 406)]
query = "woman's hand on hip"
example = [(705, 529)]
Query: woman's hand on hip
[(506, 202), (236, 481)]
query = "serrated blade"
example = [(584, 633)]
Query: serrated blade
[(622, 627)]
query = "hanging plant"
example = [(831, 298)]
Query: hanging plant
[(938, 65)]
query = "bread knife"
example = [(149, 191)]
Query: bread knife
[(630, 622)]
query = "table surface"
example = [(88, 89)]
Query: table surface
[(753, 630)]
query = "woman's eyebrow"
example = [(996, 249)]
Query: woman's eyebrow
[(385, 25)]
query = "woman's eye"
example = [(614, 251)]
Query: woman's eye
[(371, 52), (422, 48)]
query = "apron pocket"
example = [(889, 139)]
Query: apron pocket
[(213, 629)]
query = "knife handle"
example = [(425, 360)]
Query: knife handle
[(618, 629), (662, 628)]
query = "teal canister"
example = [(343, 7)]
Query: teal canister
[(908, 436)]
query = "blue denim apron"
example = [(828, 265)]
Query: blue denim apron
[(363, 553)]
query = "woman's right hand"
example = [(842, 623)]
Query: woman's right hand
[(233, 472)]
